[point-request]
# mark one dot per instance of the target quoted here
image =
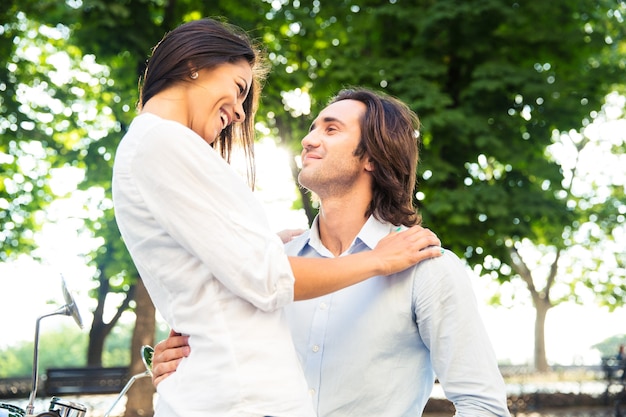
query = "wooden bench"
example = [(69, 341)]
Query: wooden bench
[(16, 387), (614, 369), (85, 380)]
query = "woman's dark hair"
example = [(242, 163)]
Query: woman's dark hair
[(207, 43), (390, 139)]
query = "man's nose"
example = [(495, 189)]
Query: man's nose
[(309, 141)]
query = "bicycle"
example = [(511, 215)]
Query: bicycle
[(59, 407)]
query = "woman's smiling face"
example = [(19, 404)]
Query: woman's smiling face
[(216, 98)]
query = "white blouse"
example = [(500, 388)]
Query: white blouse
[(214, 270)]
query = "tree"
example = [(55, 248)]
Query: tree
[(599, 208), (59, 110), (36, 136), (492, 82)]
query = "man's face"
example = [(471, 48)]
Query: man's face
[(328, 162)]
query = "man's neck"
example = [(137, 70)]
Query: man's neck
[(340, 221)]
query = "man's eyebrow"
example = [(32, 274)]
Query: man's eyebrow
[(327, 119)]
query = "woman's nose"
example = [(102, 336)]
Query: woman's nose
[(240, 114)]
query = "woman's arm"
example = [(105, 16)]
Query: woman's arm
[(315, 277), (396, 252)]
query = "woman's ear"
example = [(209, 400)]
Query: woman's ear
[(193, 72)]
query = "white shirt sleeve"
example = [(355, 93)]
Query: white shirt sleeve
[(204, 205)]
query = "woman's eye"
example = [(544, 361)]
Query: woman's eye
[(242, 89)]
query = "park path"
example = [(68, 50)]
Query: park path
[(555, 412)]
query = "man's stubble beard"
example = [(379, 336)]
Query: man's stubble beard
[(326, 184)]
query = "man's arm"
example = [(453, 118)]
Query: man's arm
[(451, 326), (167, 355)]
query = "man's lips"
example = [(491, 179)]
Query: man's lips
[(310, 155)]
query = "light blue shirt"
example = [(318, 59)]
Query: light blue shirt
[(374, 349)]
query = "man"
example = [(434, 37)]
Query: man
[(374, 349)]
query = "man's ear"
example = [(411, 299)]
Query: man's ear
[(369, 165)]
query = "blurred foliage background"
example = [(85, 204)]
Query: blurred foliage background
[(510, 94)]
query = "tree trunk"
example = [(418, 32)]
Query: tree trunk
[(99, 329), (541, 302), (541, 310), (97, 334), (140, 397)]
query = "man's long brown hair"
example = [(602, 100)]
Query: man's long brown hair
[(390, 139)]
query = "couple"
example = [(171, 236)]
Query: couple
[(372, 348)]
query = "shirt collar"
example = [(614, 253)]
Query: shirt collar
[(370, 234), (373, 231)]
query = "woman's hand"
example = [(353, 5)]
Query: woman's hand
[(288, 234), (402, 249)]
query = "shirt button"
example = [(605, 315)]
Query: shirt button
[(323, 306), (311, 392), (316, 348)]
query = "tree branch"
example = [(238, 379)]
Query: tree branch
[(522, 270)]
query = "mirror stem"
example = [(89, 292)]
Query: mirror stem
[(30, 408)]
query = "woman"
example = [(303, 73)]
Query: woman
[(200, 239)]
